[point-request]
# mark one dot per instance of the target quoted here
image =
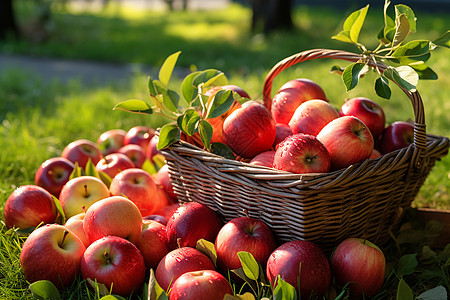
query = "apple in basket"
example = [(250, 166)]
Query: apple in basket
[(348, 140), (52, 252), (282, 132), (53, 174), (264, 159), (367, 111), (28, 206), (111, 140), (396, 136), (180, 261), (311, 116), (359, 263), (200, 285), (249, 130), (291, 95), (314, 271), (81, 151), (302, 153)]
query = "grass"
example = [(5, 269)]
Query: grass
[(39, 118)]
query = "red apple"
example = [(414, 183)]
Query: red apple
[(162, 179), (157, 218), (53, 253), (75, 224), (249, 130), (28, 206), (291, 95), (81, 151), (314, 270), (189, 223), (167, 211), (116, 216), (110, 141), (396, 136), (114, 163), (264, 159), (311, 116), (139, 135), (200, 285), (282, 132), (180, 261), (348, 140), (361, 263), (80, 193), (116, 263), (138, 186), (152, 243), (375, 154), (367, 111), (152, 150), (53, 174), (135, 152), (302, 153), (243, 234)]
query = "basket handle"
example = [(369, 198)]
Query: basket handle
[(420, 140)]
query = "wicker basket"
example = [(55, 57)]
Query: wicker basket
[(364, 200)]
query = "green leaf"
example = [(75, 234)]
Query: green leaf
[(443, 40), (167, 68), (77, 171), (249, 265), (241, 274), (91, 170), (219, 104), (170, 98), (284, 290), (382, 87), (351, 75), (386, 34), (188, 89), (437, 293), (210, 77), (207, 248), (155, 292), (222, 150), (205, 130), (149, 167), (337, 69), (112, 297), (167, 135), (404, 76), (105, 178), (151, 87), (445, 254), (135, 106), (407, 264), (401, 9), (59, 209), (404, 292), (401, 30), (352, 26), (413, 51), (245, 296), (44, 289), (159, 161), (187, 122)]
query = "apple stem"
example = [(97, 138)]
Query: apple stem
[(246, 212), (179, 242), (66, 232), (86, 194), (108, 259)]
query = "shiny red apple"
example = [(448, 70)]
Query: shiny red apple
[(111, 140), (264, 159), (162, 179), (189, 223), (300, 260), (28, 206), (249, 130), (81, 151), (135, 152), (53, 174), (291, 95), (302, 153), (152, 243), (348, 140), (367, 111), (282, 132), (139, 135), (114, 163), (396, 136)]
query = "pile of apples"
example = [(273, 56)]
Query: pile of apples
[(304, 133)]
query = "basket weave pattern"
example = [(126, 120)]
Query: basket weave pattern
[(364, 200)]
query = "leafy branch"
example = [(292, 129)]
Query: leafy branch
[(188, 113), (406, 61)]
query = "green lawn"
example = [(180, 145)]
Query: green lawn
[(38, 118)]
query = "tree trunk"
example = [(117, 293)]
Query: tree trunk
[(8, 25), (270, 15)]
